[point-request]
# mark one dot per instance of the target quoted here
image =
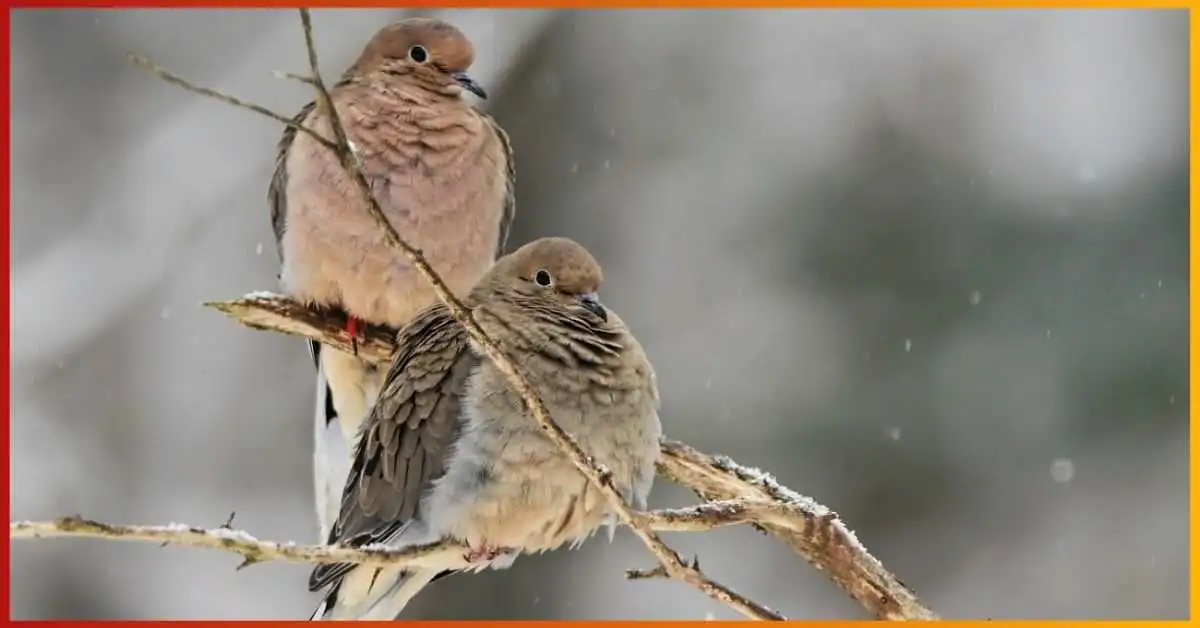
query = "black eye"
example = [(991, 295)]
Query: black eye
[(543, 277), (418, 54)]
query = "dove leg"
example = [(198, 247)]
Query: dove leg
[(352, 330)]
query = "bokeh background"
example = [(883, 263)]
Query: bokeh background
[(926, 267)]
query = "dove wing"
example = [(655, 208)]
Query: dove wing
[(405, 440)]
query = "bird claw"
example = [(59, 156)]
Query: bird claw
[(483, 554)]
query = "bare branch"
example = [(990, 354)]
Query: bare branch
[(271, 312), (646, 574), (291, 76), (815, 532), (175, 79), (720, 514), (223, 538)]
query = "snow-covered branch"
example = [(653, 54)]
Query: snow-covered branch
[(226, 538)]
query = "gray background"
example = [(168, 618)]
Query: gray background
[(926, 267)]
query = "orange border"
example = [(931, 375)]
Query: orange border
[(1194, 228)]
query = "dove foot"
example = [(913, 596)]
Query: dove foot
[(484, 554)]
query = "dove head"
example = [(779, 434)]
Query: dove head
[(553, 275), (431, 52)]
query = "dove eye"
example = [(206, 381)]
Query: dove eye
[(543, 278), (418, 54)]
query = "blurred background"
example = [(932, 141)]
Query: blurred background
[(929, 268)]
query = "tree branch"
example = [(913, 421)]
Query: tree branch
[(811, 530), (254, 551), (720, 514), (225, 538), (271, 312), (175, 79), (694, 519)]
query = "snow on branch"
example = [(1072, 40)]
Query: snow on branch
[(226, 538)]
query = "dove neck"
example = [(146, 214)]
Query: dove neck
[(405, 89), (552, 333)]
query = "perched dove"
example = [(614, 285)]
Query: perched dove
[(442, 172), (450, 453)]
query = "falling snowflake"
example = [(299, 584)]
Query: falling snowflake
[(1062, 470)]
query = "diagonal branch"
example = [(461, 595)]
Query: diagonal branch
[(224, 538), (720, 514), (813, 531), (175, 79)]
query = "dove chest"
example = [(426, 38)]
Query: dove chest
[(440, 178), (507, 483)]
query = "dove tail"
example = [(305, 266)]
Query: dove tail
[(325, 606), (331, 452), (383, 606)]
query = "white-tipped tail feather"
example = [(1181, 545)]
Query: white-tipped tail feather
[(370, 595), (331, 458)]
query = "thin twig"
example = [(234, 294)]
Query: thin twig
[(223, 538), (307, 80), (175, 79)]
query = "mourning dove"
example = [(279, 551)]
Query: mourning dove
[(450, 453), (443, 174)]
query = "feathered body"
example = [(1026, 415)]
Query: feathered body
[(449, 451)]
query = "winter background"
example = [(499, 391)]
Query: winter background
[(926, 267)]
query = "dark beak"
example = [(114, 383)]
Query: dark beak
[(469, 84), (591, 303)]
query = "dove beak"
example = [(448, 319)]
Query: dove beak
[(591, 303), (469, 84)]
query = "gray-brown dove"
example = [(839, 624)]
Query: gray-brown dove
[(443, 174), (449, 451)]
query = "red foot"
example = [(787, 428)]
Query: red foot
[(352, 331)]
